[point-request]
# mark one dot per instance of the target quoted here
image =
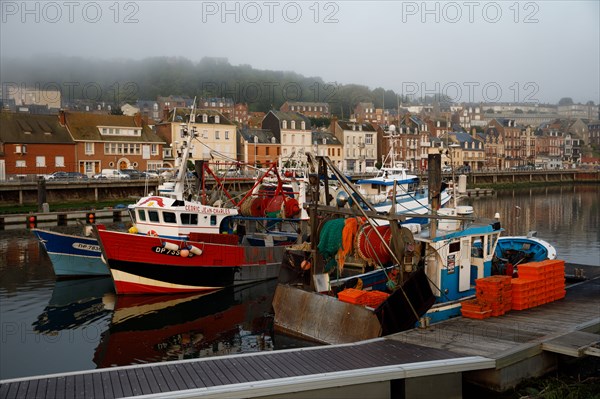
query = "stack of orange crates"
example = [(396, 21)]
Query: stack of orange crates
[(374, 298), (494, 298), (351, 295), (474, 309), (538, 283), (496, 291), (364, 298)]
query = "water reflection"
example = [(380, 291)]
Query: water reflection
[(567, 217), (149, 328), (74, 303)]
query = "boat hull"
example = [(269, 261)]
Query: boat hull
[(71, 255), (145, 265)]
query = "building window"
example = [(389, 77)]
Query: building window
[(40, 161), (303, 125), (89, 148), (226, 134), (293, 124), (284, 124), (369, 139), (267, 150), (204, 118), (154, 149), (21, 164), (59, 161), (217, 119), (216, 135)]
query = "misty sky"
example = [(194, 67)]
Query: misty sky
[(471, 50)]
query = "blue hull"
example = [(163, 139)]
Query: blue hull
[(72, 255)]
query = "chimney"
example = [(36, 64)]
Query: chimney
[(332, 124), (137, 118), (165, 113), (62, 118), (474, 133)]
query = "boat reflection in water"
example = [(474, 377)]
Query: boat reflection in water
[(74, 303), (156, 328)]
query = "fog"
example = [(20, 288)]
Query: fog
[(536, 51)]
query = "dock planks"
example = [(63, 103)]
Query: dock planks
[(201, 373)]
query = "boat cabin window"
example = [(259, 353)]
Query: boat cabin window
[(213, 220), (141, 215), (169, 217), (454, 247), (189, 218), (153, 216)]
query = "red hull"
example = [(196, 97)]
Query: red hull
[(150, 265)]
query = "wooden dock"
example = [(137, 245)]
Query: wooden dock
[(523, 343), (496, 352)]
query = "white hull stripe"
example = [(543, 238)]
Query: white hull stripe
[(133, 279)]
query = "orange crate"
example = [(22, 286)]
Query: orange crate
[(351, 295), (476, 315), (373, 298), (520, 307)]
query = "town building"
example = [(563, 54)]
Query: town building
[(258, 147), (310, 109), (293, 131), (216, 134), (33, 145), (360, 145), (112, 141)]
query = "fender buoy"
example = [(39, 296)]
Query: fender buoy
[(305, 265), (152, 233)]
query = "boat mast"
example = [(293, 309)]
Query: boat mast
[(187, 133)]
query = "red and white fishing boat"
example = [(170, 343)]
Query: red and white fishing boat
[(191, 242)]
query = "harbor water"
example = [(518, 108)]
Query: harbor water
[(50, 326)]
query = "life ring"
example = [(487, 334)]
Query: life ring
[(152, 233)]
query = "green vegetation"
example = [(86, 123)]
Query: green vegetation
[(121, 81)]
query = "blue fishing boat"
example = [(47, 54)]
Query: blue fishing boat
[(426, 270), (72, 255)]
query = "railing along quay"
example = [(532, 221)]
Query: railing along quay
[(26, 192)]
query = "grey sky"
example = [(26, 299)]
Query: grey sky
[(470, 50)]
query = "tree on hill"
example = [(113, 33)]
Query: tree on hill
[(565, 101)]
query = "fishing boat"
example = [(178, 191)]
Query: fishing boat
[(410, 196), (512, 251), (186, 240), (72, 255), (413, 274)]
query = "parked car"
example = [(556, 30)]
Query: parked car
[(133, 173), (66, 176), (463, 169), (112, 174), (151, 174)]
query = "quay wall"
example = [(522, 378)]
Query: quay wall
[(26, 192)]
